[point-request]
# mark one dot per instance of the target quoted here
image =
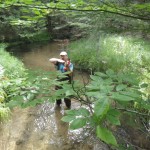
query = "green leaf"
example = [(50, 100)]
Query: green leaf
[(69, 92), (71, 112), (134, 94), (95, 78), (101, 107), (83, 111), (120, 87), (110, 73), (113, 116), (28, 1), (68, 118), (93, 87), (106, 135), (77, 123), (96, 94), (121, 97), (92, 121), (144, 85), (108, 81), (100, 74)]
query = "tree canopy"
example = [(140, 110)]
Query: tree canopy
[(139, 9)]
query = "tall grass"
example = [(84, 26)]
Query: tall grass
[(119, 53), (13, 67), (111, 52)]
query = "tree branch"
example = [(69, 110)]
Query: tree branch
[(83, 10)]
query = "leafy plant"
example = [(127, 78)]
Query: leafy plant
[(12, 80), (104, 100)]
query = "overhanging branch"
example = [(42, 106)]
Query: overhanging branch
[(83, 10)]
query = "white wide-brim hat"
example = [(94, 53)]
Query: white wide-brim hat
[(63, 53)]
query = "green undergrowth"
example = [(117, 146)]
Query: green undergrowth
[(111, 52), (12, 77), (124, 55), (119, 53)]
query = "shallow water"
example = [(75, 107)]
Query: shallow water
[(41, 128)]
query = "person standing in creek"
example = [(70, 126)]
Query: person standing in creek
[(63, 65)]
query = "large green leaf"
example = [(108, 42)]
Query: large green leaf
[(106, 135), (69, 92), (68, 118), (120, 97), (101, 107), (96, 78), (113, 116), (110, 73), (120, 87), (73, 112), (83, 111), (134, 94), (96, 94), (77, 123)]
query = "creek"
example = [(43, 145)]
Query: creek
[(41, 128)]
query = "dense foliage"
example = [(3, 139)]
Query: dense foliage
[(12, 79), (28, 18)]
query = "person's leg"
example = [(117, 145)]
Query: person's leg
[(58, 101), (67, 102)]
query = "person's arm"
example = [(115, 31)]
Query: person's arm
[(55, 60)]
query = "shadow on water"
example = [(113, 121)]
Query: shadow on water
[(41, 128)]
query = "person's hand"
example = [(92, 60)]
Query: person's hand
[(67, 63)]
